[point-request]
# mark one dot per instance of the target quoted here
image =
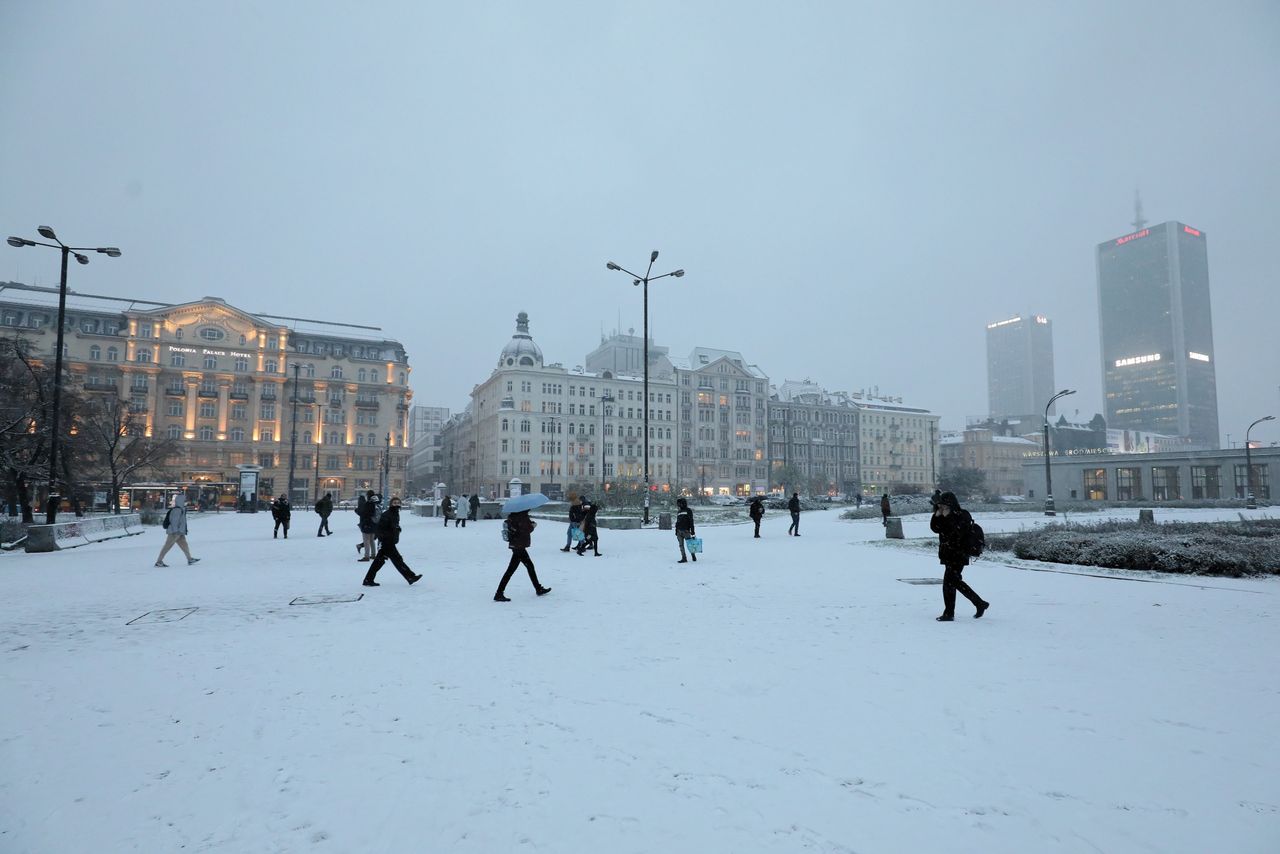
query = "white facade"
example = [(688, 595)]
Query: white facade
[(899, 445)]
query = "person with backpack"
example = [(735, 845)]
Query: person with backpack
[(324, 507), (684, 528), (280, 512), (388, 540), (885, 510), (756, 512), (794, 506), (575, 520), (517, 530), (446, 508), (367, 520), (957, 542), (590, 533), (175, 527)]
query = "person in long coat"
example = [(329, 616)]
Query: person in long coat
[(590, 533), (446, 507), (575, 520), (951, 524), (388, 547), (519, 539), (324, 507), (794, 506), (885, 509), (281, 512), (367, 519), (475, 507), (461, 509), (684, 528), (756, 512)]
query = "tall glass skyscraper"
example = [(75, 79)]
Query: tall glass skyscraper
[(1157, 333), (1019, 368)]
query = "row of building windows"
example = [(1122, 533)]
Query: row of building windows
[(1165, 483)]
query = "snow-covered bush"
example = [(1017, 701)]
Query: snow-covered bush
[(1204, 548)]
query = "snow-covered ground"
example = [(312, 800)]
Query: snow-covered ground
[(779, 695)]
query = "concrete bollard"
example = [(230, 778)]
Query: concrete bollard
[(893, 528), (1146, 516)]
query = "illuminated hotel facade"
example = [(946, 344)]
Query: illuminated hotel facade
[(1157, 333), (1019, 368), (220, 381)]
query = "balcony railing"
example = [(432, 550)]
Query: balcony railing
[(100, 387), (239, 395), (268, 394), (175, 391), (367, 403), (207, 392)]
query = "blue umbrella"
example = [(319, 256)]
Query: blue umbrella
[(524, 502)]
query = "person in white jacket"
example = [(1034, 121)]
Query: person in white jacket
[(176, 528)]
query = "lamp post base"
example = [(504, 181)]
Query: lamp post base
[(1048, 507), (51, 509)]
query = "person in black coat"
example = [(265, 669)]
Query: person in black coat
[(367, 520), (281, 512), (885, 509), (684, 528), (388, 539), (475, 506), (590, 533), (323, 508), (446, 509), (951, 524), (519, 539), (794, 506), (756, 512), (575, 521)]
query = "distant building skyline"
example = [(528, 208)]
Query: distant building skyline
[(1156, 333), (1020, 377)]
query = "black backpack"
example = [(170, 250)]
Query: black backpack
[(506, 531), (165, 523), (975, 539)]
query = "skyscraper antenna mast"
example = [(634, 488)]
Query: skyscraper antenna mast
[(1138, 220)]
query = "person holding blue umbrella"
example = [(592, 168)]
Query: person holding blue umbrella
[(518, 532)]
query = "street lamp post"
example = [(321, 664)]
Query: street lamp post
[(293, 434), (645, 280), (1250, 502), (1048, 472), (51, 512), (386, 467), (605, 400)]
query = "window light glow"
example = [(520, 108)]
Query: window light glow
[(1003, 322), (1137, 360)]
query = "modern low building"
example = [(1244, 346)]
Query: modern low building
[(231, 387), (1167, 476), (813, 440), (998, 457)]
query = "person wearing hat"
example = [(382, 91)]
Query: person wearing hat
[(951, 524), (388, 539)]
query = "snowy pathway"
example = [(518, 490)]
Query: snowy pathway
[(779, 695)]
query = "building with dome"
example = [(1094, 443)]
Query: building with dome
[(555, 428)]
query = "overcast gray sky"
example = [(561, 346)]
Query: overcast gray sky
[(855, 189)]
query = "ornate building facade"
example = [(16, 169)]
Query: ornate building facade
[(813, 440), (221, 383)]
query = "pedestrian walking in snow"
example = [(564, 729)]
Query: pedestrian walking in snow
[(367, 519), (519, 539), (575, 520), (684, 528), (590, 533), (281, 512), (475, 507), (885, 510), (175, 527), (951, 524), (324, 507), (858, 498), (794, 506), (446, 507), (462, 508), (388, 541), (756, 512)]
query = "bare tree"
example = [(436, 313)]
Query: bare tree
[(25, 405), (115, 441)]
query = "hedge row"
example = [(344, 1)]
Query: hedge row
[(1195, 548)]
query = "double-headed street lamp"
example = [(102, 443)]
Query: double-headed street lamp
[(645, 280), (1250, 502), (51, 512), (1048, 472)]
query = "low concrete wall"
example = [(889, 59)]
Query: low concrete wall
[(82, 532)]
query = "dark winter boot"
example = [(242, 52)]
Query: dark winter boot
[(945, 618), (543, 591), (498, 597), (982, 609)]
